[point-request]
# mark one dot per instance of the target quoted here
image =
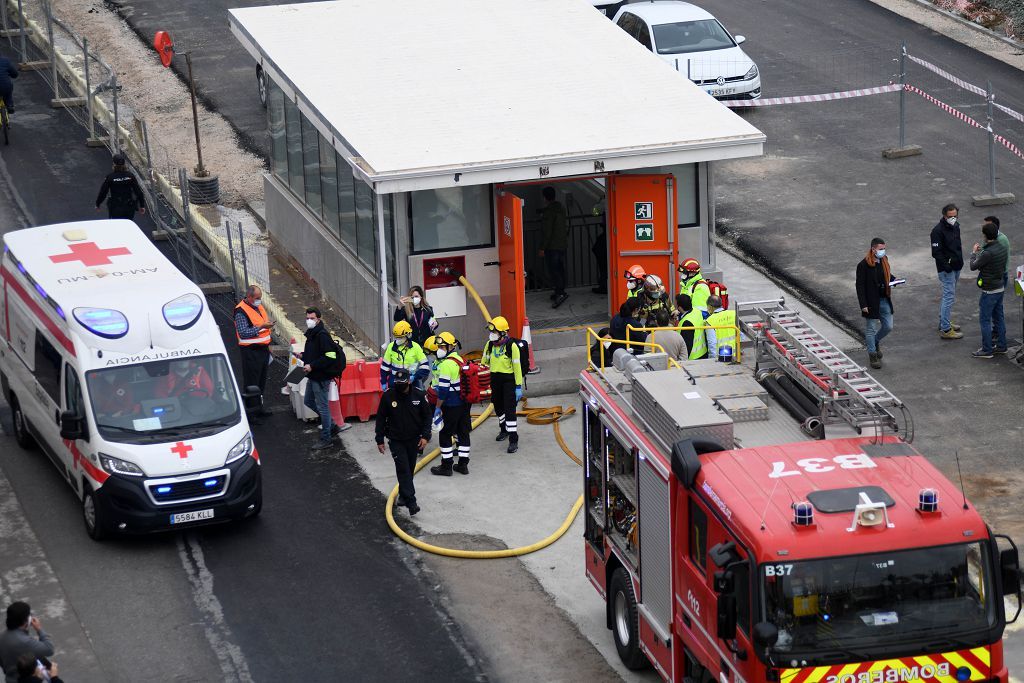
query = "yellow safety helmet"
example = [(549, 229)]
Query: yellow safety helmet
[(498, 324), (430, 344), (445, 339), (402, 329)]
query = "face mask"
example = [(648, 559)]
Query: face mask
[(880, 253), (257, 303), (607, 344), (441, 353), (951, 220), (181, 372), (416, 301), (654, 295), (493, 336), (310, 323), (401, 340), (631, 285)]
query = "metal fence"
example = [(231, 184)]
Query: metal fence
[(580, 262)]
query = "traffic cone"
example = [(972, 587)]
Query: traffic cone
[(528, 338), (334, 403)]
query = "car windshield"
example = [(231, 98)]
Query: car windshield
[(691, 36), (164, 399), (855, 603)]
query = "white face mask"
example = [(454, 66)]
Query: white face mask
[(441, 353), (310, 323), (879, 253), (416, 301), (630, 284), (951, 220), (257, 303), (400, 340), (493, 336), (606, 344)]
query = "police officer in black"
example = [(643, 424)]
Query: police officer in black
[(403, 416), (125, 194)]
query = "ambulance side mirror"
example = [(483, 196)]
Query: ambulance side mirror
[(252, 398), (72, 426)]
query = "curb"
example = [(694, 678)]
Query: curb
[(967, 22)]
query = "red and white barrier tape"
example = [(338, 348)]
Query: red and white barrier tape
[(824, 97), (965, 118), (965, 85)]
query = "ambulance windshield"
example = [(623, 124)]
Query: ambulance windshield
[(163, 400), (880, 599)]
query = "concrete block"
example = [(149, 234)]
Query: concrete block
[(900, 152), (215, 287), (97, 142), (34, 66), (994, 199), (67, 102)]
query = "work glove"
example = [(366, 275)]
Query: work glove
[(383, 386), (519, 394), (436, 422)]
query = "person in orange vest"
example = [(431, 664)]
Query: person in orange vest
[(253, 329), (185, 378)]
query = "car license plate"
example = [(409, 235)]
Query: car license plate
[(722, 91), (183, 517)]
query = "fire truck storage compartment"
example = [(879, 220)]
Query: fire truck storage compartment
[(655, 545), (594, 475), (620, 461), (675, 411)]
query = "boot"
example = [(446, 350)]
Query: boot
[(444, 469), (878, 351), (502, 435), (462, 466), (513, 443), (876, 360)]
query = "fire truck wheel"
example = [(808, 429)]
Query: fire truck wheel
[(21, 434), (625, 621)]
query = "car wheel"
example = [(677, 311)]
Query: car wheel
[(21, 434), (95, 524), (261, 85), (625, 621)]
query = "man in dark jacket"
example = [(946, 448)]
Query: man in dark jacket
[(990, 262), (554, 242), (125, 194), (948, 253), (8, 72), (403, 417), (874, 294), (626, 317), (320, 363)]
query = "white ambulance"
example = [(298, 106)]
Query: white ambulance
[(113, 365)]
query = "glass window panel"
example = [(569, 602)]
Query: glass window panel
[(311, 166), (389, 236), (366, 232), (293, 139), (346, 202), (451, 218), (329, 184), (278, 146)]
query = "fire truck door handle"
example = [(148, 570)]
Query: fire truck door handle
[(686, 620), (492, 263)]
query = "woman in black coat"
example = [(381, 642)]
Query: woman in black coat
[(415, 311)]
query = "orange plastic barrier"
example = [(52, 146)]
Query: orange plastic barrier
[(360, 389)]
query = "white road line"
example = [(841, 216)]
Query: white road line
[(218, 633)]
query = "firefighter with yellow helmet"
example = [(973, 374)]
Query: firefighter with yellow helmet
[(501, 355), (454, 411), (693, 285), (402, 352)]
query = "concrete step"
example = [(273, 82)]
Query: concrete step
[(559, 372), (544, 340)]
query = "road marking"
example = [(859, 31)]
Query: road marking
[(218, 633)]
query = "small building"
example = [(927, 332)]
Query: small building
[(410, 143)]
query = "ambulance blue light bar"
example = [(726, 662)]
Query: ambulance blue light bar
[(103, 322), (183, 312)]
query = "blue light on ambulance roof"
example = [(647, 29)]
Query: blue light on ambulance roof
[(163, 489), (210, 483), (103, 322), (183, 312), (42, 292), (22, 268)]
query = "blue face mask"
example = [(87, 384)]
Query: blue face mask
[(879, 253)]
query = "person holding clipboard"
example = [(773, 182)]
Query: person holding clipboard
[(874, 294)]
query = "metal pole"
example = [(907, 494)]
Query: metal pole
[(48, 10), (200, 170), (149, 157), (117, 123), (241, 251), (990, 99), (187, 212), (3, 15), (903, 95), (231, 258), (88, 89), (382, 261), (21, 25)]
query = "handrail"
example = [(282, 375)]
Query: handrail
[(591, 332), (739, 353)]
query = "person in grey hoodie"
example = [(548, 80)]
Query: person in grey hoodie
[(16, 640), (990, 262)]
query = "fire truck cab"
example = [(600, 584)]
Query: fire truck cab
[(731, 545)]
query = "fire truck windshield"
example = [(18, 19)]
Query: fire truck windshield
[(862, 602)]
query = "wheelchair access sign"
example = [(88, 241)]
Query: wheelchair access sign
[(645, 232)]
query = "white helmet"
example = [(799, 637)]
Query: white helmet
[(654, 286)]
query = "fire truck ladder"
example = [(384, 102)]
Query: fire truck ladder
[(844, 389)]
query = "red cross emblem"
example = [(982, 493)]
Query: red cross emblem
[(90, 254), (181, 450)]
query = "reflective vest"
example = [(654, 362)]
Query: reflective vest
[(449, 386), (630, 293), (725, 336), (410, 357), (695, 319), (698, 291), (257, 317), (503, 358)]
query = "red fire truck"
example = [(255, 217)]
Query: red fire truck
[(734, 543)]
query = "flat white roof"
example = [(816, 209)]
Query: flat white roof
[(458, 92)]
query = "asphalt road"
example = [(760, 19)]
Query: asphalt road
[(315, 589)]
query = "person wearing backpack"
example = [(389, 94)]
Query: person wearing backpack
[(693, 284), (454, 410), (501, 355), (322, 360)]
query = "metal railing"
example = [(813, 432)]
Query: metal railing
[(737, 357), (601, 365)]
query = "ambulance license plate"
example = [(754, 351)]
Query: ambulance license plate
[(722, 91), (183, 517)]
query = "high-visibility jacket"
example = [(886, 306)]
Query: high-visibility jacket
[(257, 316), (409, 356), (697, 289), (630, 293), (699, 346), (503, 358), (725, 336), (449, 385)]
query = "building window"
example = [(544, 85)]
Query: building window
[(329, 185), (311, 166), (275, 121), (366, 230), (346, 203), (451, 218), (389, 237), (293, 139)]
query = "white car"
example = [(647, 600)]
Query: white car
[(696, 44)]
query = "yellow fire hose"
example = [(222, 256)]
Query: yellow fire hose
[(548, 415)]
